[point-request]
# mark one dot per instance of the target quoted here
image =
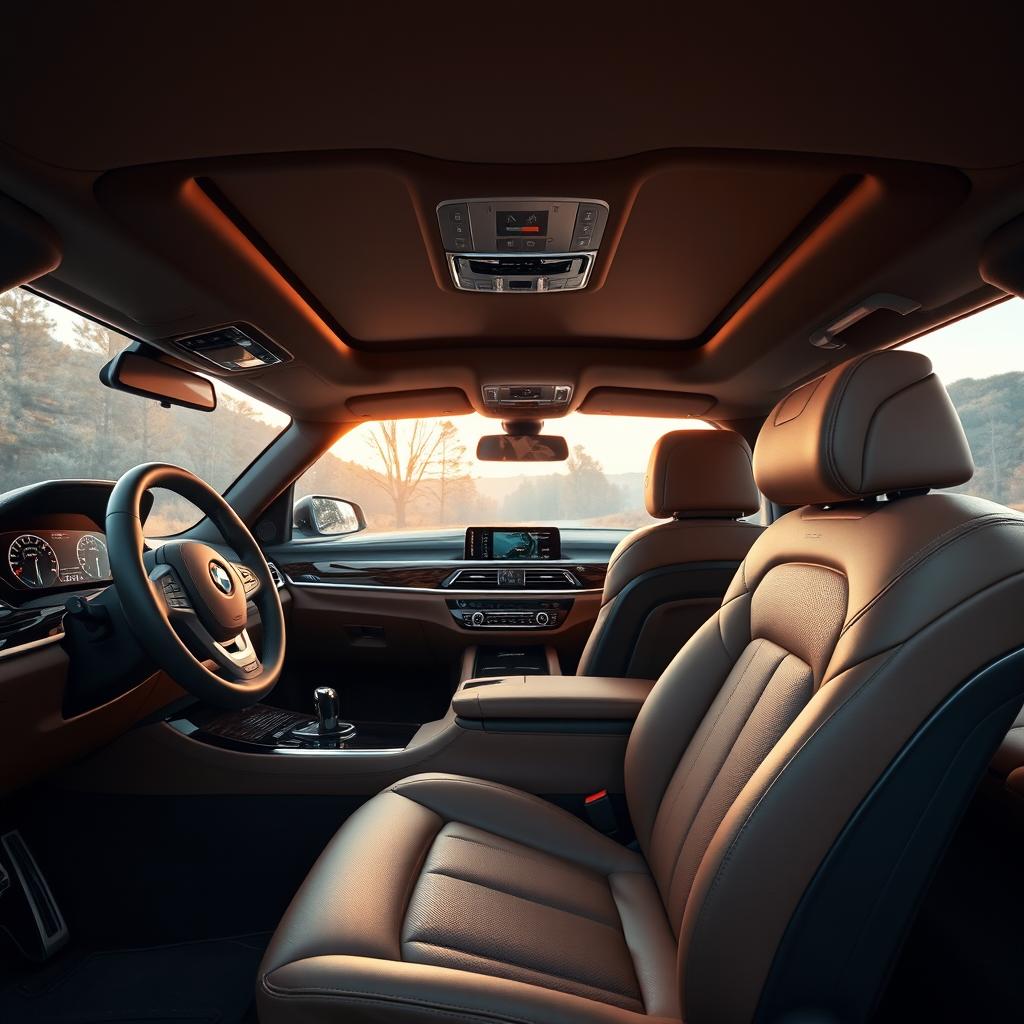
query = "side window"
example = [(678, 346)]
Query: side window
[(981, 361)]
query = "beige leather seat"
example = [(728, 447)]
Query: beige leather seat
[(665, 580), (792, 777)]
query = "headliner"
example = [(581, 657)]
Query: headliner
[(763, 178)]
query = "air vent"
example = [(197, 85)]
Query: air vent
[(474, 579), (508, 578), (275, 575), (550, 579)]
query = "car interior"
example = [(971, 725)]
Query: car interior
[(490, 541)]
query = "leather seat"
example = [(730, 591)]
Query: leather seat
[(792, 777), (664, 581)]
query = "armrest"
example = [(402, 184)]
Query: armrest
[(552, 697)]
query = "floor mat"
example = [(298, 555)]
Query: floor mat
[(210, 982)]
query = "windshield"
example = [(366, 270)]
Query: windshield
[(58, 421), (423, 474)]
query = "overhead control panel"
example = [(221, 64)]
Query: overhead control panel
[(526, 398), (521, 245)]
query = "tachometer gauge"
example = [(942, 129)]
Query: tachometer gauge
[(92, 557), (33, 561)]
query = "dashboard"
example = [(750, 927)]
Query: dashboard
[(44, 559)]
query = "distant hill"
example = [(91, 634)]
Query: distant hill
[(992, 412)]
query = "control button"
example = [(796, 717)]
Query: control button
[(587, 214), (462, 244), (509, 244), (478, 618), (554, 284), (584, 229), (457, 215), (491, 394), (485, 286), (542, 618), (460, 231), (533, 243), (582, 243)]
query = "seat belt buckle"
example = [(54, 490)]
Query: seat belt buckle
[(600, 812)]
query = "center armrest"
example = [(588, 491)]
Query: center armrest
[(552, 697)]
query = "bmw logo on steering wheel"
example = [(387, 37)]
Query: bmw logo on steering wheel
[(220, 577)]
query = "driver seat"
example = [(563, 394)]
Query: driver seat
[(792, 778)]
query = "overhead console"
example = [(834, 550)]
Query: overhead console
[(521, 245)]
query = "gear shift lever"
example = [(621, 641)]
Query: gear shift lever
[(325, 700), (327, 726)]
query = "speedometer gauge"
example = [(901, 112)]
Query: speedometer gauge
[(33, 561), (92, 557)]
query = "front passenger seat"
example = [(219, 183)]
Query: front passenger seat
[(792, 778), (665, 580)]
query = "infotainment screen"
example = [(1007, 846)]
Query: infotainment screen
[(515, 542)]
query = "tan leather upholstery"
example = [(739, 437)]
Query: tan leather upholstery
[(700, 472), (767, 743), (703, 476), (552, 697), (452, 897), (882, 422)]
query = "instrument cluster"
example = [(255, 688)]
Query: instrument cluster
[(43, 559)]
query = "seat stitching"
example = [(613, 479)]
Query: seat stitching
[(725, 760), (525, 797), (919, 557), (677, 795), (759, 805), (414, 878), (524, 899), (526, 967), (542, 855), (384, 998)]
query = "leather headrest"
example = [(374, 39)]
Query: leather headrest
[(694, 472), (877, 424)]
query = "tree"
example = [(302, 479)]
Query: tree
[(450, 468), (405, 457)]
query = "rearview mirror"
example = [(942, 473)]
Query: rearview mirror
[(141, 375), (317, 515), (522, 448)]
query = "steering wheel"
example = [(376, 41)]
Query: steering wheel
[(186, 602)]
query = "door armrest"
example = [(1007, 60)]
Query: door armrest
[(592, 698)]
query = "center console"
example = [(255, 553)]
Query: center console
[(265, 729)]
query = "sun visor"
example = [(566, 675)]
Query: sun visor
[(644, 402), (29, 248), (411, 404)]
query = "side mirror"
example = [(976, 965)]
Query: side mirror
[(522, 448), (142, 375), (319, 516)]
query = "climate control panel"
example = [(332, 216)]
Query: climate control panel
[(521, 244), (483, 614)]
